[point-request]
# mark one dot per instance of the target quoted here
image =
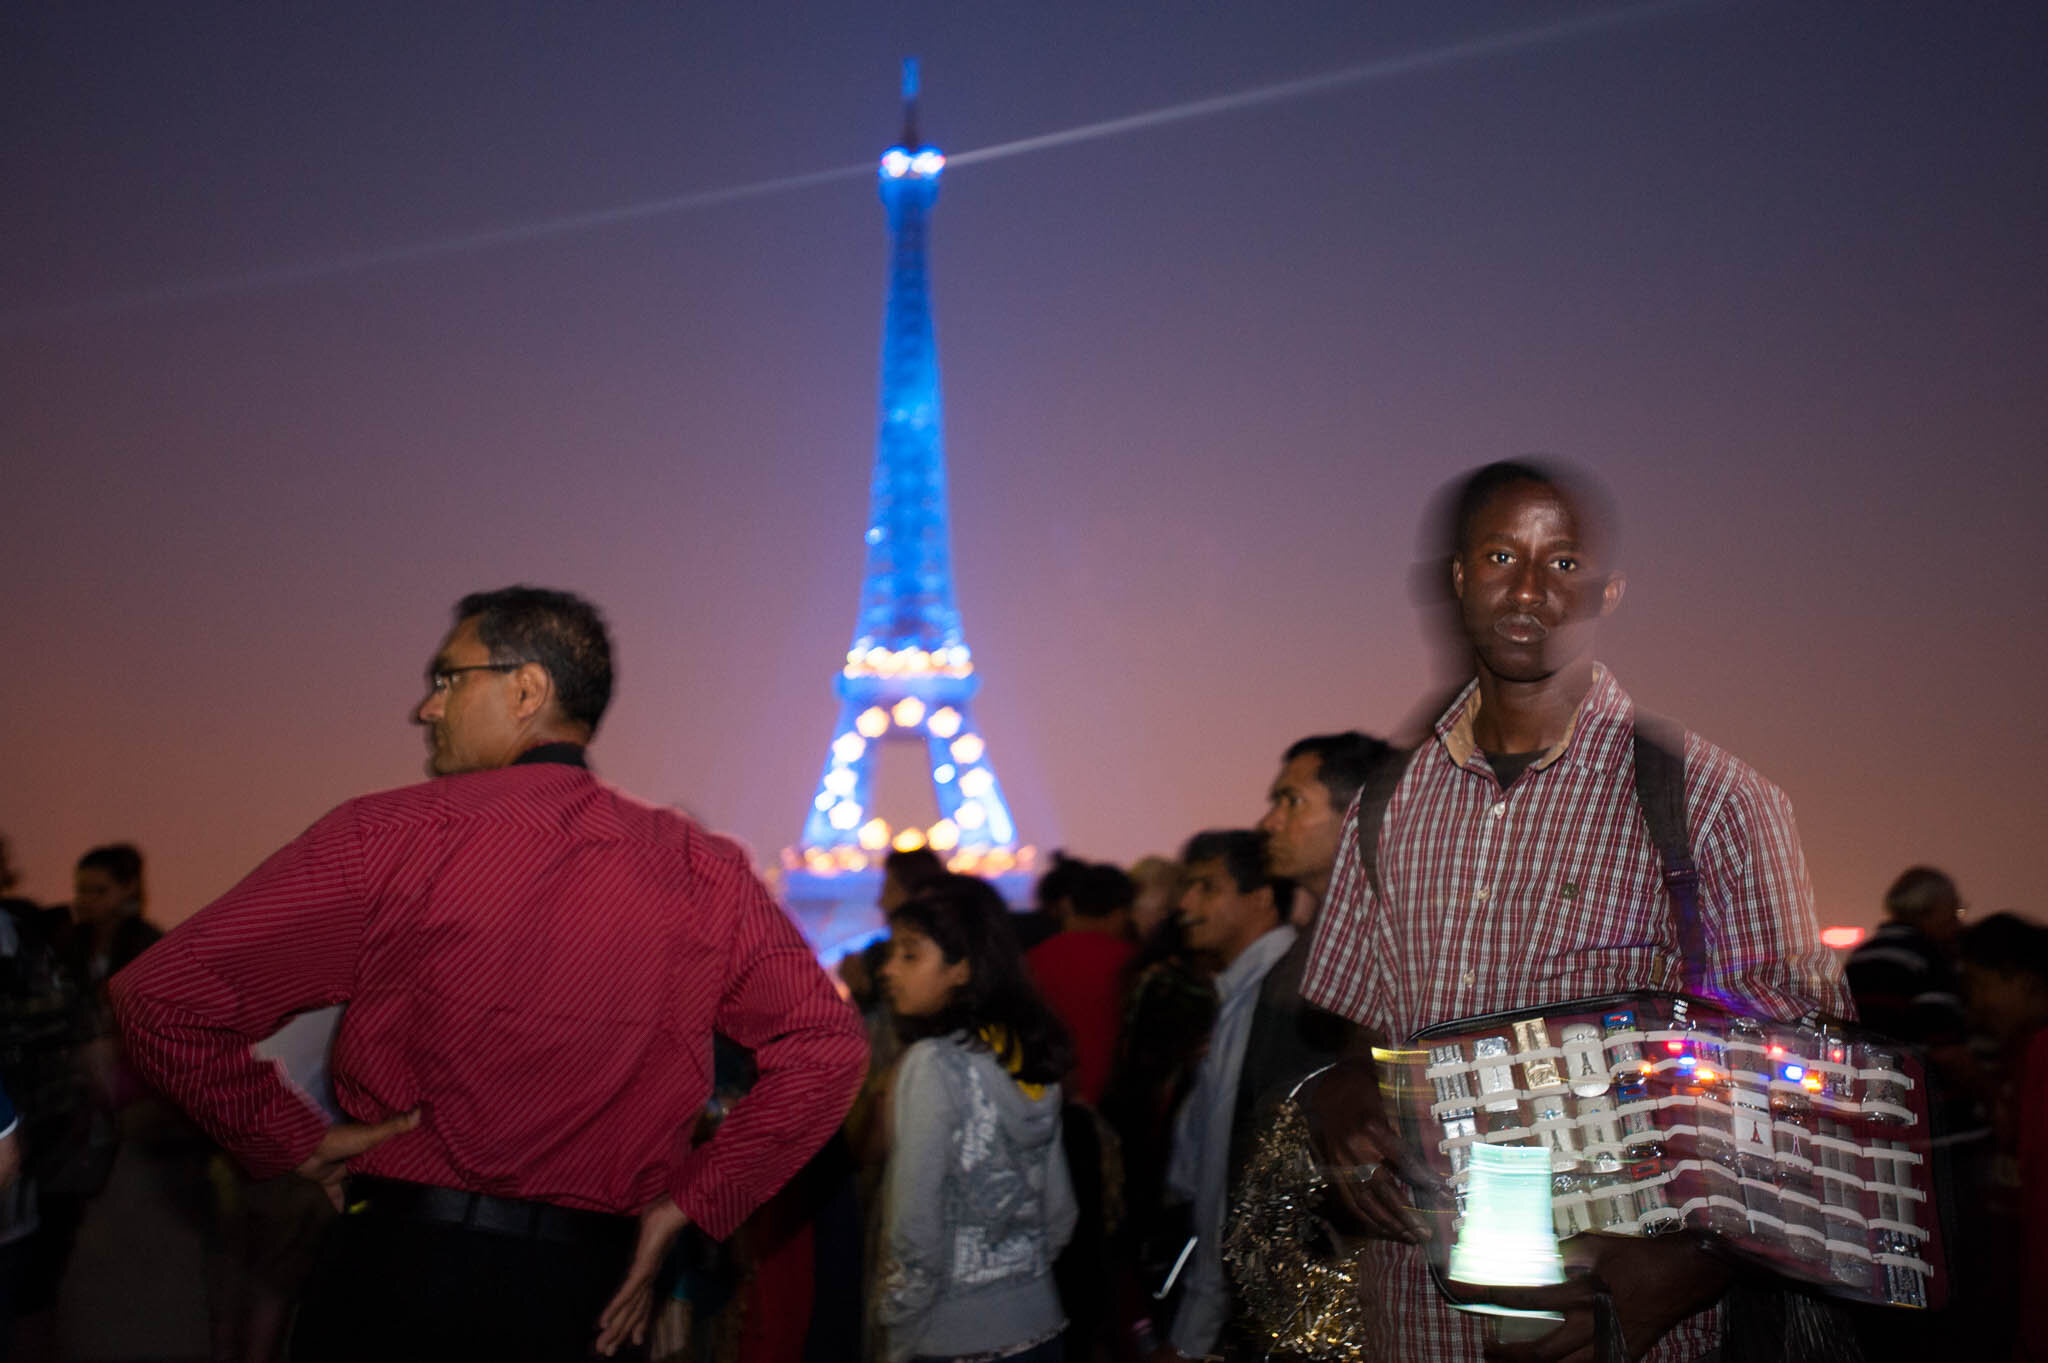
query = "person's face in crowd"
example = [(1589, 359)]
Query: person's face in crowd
[(917, 979), (1220, 918), (471, 717), (1530, 583), (1301, 824), (97, 895)]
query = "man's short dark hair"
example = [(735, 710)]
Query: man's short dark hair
[(1101, 889), (913, 869), (561, 632), (1343, 761), (1594, 508), (1242, 852)]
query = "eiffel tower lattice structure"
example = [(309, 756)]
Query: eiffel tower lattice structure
[(909, 677)]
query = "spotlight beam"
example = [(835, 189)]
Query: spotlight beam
[(215, 286)]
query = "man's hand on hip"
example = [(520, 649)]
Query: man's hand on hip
[(625, 1318), (328, 1164)]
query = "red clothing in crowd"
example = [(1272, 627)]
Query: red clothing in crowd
[(534, 960), (1081, 975)]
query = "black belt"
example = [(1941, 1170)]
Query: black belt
[(405, 1201)]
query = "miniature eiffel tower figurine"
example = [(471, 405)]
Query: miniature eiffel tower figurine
[(909, 677)]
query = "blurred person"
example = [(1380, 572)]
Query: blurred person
[(1319, 778), (977, 1192), (534, 964), (1511, 867), (1158, 882), (1903, 976), (1228, 903), (106, 905), (1080, 969), (43, 1016), (2005, 979), (904, 873)]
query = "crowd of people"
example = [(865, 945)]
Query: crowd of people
[(592, 1090)]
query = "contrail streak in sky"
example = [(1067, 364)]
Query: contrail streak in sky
[(219, 285)]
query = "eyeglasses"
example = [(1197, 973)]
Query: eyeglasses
[(441, 678)]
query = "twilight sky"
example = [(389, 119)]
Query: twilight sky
[(1775, 271)]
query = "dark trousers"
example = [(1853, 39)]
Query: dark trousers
[(393, 1288)]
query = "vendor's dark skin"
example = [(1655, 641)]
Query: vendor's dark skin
[(1532, 586)]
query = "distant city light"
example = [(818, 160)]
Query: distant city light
[(1841, 939), (945, 721), (968, 748), (873, 722), (848, 747), (909, 712)]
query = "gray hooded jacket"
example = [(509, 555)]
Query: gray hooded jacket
[(978, 1204)]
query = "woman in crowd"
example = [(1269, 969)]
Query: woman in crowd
[(977, 1198)]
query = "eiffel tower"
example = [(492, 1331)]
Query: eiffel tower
[(909, 677)]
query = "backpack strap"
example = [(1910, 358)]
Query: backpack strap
[(1660, 794), (1373, 799)]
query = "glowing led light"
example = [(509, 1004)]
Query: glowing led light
[(1794, 1073), (1811, 1083), (970, 815), (896, 163), (873, 722), (850, 860), (964, 861), (927, 162), (845, 816), (943, 773), (945, 721), (841, 781), (1674, 1046), (826, 799), (968, 749), (909, 840), (998, 861), (944, 835), (999, 825), (820, 862), (1686, 1062), (849, 747), (909, 711), (874, 835), (1705, 1076), (1774, 1052), (1646, 1068), (976, 782), (1841, 939)]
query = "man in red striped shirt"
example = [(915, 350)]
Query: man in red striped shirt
[(533, 964), (1513, 870)]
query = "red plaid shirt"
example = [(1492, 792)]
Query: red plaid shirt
[(538, 962), (1552, 890)]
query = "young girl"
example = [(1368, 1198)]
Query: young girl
[(976, 1198)]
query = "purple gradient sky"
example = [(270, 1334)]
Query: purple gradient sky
[(1774, 270)]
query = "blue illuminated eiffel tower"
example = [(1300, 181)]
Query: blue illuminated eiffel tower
[(909, 677)]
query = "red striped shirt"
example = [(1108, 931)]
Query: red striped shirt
[(535, 960), (1552, 890)]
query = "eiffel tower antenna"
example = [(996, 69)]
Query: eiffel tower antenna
[(909, 677)]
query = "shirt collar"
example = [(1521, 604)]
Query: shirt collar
[(1604, 717), (1254, 961), (567, 754)]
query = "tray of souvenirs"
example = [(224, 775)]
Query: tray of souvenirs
[(1802, 1146)]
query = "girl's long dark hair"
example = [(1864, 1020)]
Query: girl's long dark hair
[(968, 921)]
